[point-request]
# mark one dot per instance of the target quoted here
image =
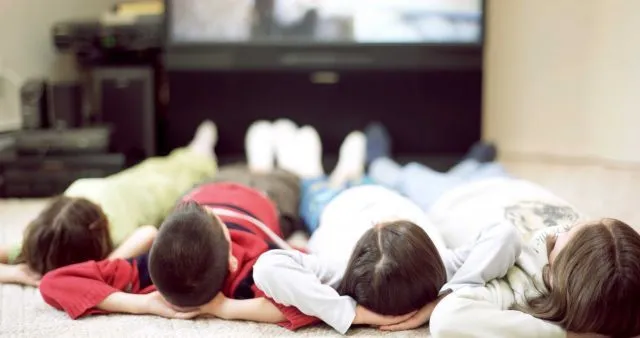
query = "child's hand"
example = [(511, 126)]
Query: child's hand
[(22, 274), (217, 307), (155, 304), (365, 316)]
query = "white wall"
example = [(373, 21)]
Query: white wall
[(26, 45), (562, 78)]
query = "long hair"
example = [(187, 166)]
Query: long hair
[(70, 230), (594, 282)]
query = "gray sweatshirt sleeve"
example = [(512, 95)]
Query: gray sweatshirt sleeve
[(490, 256), (296, 279)]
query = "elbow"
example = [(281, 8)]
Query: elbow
[(445, 320), (47, 287), (263, 273), (148, 233), (511, 241), (514, 243)]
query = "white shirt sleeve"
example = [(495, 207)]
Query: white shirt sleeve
[(489, 257), (483, 312), (305, 281)]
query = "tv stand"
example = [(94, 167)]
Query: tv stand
[(431, 114)]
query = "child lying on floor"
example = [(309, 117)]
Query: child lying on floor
[(583, 277), (372, 249), (200, 263), (574, 275), (96, 215)]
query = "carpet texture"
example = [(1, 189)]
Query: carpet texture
[(597, 190)]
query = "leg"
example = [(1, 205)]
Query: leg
[(146, 193), (259, 144), (489, 170), (282, 187), (315, 195), (423, 185), (351, 162), (386, 172)]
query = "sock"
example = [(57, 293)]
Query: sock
[(205, 138), (308, 154), (482, 152), (378, 142), (351, 161), (259, 146), (285, 134)]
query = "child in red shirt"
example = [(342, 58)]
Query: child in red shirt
[(200, 263)]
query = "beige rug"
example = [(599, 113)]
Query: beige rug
[(597, 190)]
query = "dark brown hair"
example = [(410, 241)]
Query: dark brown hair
[(394, 269), (70, 230), (189, 260), (594, 282)]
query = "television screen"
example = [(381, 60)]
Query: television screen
[(325, 21)]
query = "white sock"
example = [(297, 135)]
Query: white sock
[(259, 147), (285, 134), (205, 138), (307, 157), (351, 163)]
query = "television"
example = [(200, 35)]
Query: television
[(413, 65), (328, 34)]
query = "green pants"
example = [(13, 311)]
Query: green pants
[(146, 193)]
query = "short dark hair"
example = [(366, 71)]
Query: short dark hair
[(394, 269), (189, 259), (68, 231)]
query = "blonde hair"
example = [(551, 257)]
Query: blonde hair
[(594, 282)]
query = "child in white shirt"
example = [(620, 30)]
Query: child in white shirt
[(372, 249)]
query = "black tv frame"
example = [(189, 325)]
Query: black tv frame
[(300, 55)]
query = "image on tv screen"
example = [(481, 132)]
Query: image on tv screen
[(326, 21)]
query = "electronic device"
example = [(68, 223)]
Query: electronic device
[(415, 66), (65, 103), (45, 176), (324, 35), (98, 42), (124, 98), (63, 141), (33, 98)]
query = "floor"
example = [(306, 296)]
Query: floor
[(599, 190)]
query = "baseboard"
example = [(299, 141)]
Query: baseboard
[(10, 125), (506, 156)]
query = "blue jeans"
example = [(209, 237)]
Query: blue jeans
[(316, 193), (423, 185)]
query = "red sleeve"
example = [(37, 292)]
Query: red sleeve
[(294, 318), (77, 289)]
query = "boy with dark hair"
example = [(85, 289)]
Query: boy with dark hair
[(200, 262)]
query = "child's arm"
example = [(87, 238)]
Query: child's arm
[(483, 311), (138, 243), (78, 289), (18, 274), (295, 279), (152, 303), (489, 257), (258, 309)]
